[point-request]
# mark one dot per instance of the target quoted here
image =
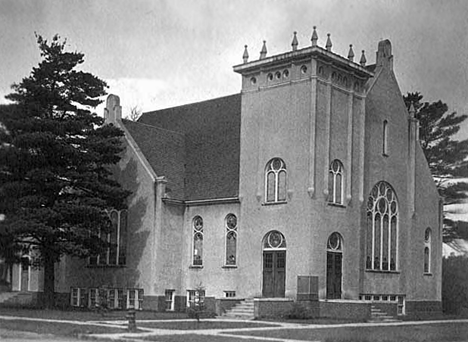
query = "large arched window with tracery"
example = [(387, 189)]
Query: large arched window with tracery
[(275, 181), (382, 229)]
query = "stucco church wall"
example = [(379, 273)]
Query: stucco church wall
[(137, 273), (214, 276)]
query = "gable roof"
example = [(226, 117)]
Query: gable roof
[(211, 148)]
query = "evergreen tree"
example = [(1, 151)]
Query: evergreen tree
[(447, 157), (55, 160)]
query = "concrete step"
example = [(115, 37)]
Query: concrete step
[(242, 310)]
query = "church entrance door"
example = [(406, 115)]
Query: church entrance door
[(274, 265), (334, 266)]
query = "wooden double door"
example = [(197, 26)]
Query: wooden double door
[(274, 273)]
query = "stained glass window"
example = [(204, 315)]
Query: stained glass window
[(197, 241), (231, 240)]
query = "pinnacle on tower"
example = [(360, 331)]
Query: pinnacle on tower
[(351, 53), (263, 52), (245, 56), (363, 59), (329, 43), (411, 110), (314, 37), (294, 43)]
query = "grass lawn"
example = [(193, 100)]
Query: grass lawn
[(58, 329), (197, 338), (439, 332), (194, 325)]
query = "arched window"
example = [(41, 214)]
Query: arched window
[(275, 181), (335, 182), (427, 250), (231, 240), (382, 229), (197, 259), (116, 253), (385, 138)]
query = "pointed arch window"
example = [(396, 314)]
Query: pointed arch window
[(116, 253), (335, 182), (385, 138), (275, 181), (231, 240), (427, 250), (197, 259), (382, 229)]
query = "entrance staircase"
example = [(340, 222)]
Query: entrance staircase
[(380, 316), (16, 298), (242, 310)]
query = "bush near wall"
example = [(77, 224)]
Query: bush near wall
[(455, 284)]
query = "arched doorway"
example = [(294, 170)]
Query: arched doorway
[(334, 266), (274, 264)]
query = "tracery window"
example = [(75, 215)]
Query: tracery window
[(116, 253), (275, 181), (335, 182), (231, 240), (382, 229), (197, 259), (427, 250)]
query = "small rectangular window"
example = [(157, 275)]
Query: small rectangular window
[(229, 294), (169, 298)]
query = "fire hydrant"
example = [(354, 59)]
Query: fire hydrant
[(131, 316)]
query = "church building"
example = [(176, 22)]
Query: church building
[(309, 184)]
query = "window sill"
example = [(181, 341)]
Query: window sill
[(427, 274), (274, 203), (196, 266), (385, 155), (331, 204), (229, 266), (106, 266), (383, 271)]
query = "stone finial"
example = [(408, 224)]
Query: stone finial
[(411, 110), (363, 59), (263, 52), (294, 43), (314, 37), (113, 110), (351, 53), (329, 43), (245, 56)]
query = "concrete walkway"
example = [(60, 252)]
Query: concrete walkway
[(145, 331)]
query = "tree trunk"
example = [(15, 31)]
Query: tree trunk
[(49, 280)]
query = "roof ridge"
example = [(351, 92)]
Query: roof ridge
[(152, 126), (191, 104)]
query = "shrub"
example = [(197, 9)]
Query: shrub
[(454, 284)]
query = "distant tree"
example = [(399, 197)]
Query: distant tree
[(135, 113), (55, 180), (447, 157)]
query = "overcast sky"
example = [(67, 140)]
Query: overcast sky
[(161, 53)]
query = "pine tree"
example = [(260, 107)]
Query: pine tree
[(447, 157), (55, 163)]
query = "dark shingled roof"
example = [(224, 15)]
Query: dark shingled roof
[(162, 145), (212, 146)]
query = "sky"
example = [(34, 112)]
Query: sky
[(156, 54)]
